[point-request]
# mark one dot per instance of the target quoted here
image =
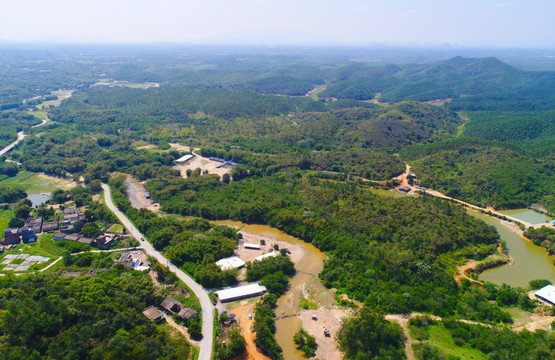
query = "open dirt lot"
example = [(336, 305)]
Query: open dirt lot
[(242, 315), (297, 251), (325, 319), (136, 194), (204, 164)]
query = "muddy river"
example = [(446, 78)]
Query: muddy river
[(531, 261)]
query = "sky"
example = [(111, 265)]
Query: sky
[(500, 23)]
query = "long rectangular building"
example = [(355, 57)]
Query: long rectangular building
[(240, 292)]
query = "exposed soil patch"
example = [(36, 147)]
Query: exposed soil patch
[(204, 164)]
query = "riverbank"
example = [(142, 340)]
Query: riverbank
[(305, 288)]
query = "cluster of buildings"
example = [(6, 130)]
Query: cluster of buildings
[(102, 242), (171, 306), (28, 232), (64, 230)]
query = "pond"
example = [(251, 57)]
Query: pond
[(527, 215), (38, 199), (531, 261)]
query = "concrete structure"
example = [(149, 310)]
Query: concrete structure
[(547, 293), (59, 236), (405, 189), (265, 256), (131, 259), (153, 314), (88, 241), (28, 235), (184, 159), (105, 241), (251, 246), (11, 236), (229, 263), (35, 224), (48, 226), (72, 237), (240, 292)]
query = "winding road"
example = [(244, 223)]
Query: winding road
[(205, 345), (20, 136)]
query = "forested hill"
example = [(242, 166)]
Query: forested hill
[(454, 78)]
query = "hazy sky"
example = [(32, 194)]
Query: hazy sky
[(527, 23)]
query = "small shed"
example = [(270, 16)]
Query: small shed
[(153, 314), (251, 246), (59, 236), (72, 237), (405, 189), (188, 314), (88, 241), (171, 305)]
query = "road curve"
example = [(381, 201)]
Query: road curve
[(20, 136), (205, 345)]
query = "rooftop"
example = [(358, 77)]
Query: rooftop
[(268, 255), (184, 158), (547, 293), (240, 292), (229, 263)]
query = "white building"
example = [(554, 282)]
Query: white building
[(229, 263), (547, 293), (240, 292), (265, 256), (184, 159), (251, 246)]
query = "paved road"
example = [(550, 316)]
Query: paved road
[(20, 137), (205, 345)]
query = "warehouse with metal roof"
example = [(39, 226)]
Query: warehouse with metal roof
[(240, 292)]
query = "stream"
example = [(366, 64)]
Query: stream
[(288, 304)]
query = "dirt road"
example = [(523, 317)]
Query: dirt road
[(242, 315)]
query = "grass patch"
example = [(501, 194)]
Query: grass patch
[(37, 114), (307, 304), (115, 228), (31, 182), (135, 85), (5, 217), (441, 339)]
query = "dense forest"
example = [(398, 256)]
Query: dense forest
[(99, 317)]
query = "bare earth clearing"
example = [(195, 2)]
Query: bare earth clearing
[(137, 195), (204, 164)]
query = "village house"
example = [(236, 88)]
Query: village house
[(35, 224), (174, 307), (28, 235), (50, 226), (11, 236)]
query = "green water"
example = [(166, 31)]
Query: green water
[(531, 261), (527, 215)]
